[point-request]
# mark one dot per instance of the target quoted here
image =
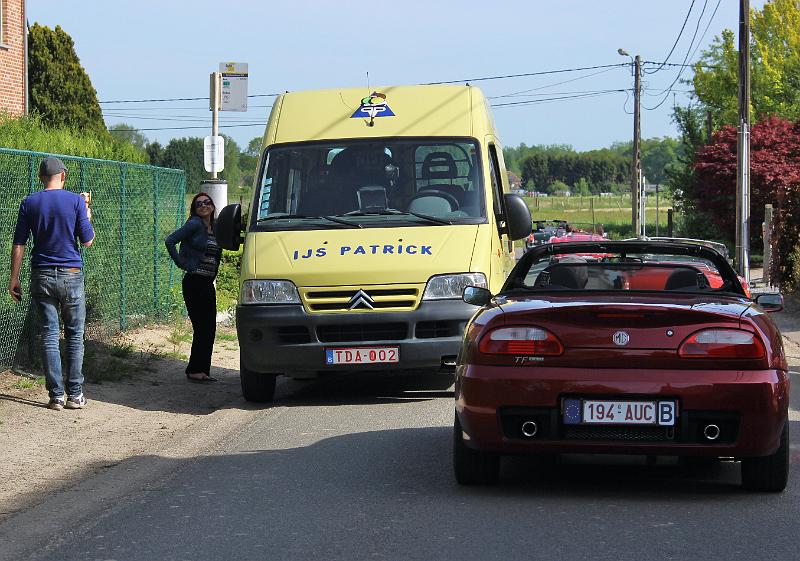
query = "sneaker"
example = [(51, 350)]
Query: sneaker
[(56, 403), (76, 402)]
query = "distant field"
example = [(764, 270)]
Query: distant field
[(614, 213)]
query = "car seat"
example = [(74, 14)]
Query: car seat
[(569, 276), (438, 166), (683, 279)]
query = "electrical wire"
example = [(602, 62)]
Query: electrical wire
[(560, 98), (188, 128), (525, 75), (678, 38), (177, 99), (703, 36), (667, 91), (514, 94)]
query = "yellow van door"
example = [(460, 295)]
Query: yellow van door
[(503, 258)]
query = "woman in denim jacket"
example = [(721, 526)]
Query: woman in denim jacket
[(199, 256)]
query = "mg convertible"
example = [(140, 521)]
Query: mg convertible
[(634, 347)]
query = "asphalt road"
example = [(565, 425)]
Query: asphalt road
[(361, 469)]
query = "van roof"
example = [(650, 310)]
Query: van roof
[(417, 111)]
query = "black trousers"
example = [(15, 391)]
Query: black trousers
[(201, 303)]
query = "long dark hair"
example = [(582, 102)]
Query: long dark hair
[(193, 211)]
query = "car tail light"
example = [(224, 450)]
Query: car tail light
[(722, 343), (521, 341)]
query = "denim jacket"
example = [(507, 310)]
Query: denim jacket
[(193, 238)]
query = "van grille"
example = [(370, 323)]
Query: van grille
[(361, 299), (360, 333)]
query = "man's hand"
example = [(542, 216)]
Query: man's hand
[(15, 289), (87, 198)]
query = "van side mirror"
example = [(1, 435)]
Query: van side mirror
[(518, 217), (770, 302), (476, 296), (228, 227)]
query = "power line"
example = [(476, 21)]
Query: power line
[(703, 36), (514, 94), (579, 96), (688, 52), (525, 75), (188, 128), (177, 99), (678, 38)]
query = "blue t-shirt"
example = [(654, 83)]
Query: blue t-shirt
[(55, 217)]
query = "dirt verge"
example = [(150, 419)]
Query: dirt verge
[(146, 407)]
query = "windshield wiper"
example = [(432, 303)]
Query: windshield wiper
[(302, 216), (395, 212)]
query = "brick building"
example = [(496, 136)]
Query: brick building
[(12, 57)]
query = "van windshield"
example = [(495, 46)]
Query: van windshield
[(370, 183)]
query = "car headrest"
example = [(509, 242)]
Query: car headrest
[(569, 276), (439, 165), (682, 279)]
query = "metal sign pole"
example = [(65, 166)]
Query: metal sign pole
[(214, 102)]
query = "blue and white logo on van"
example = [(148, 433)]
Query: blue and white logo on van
[(361, 300), (374, 105)]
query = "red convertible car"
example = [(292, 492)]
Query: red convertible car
[(639, 352)]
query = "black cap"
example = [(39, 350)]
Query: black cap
[(51, 166)]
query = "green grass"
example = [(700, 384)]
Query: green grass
[(614, 213), (26, 383), (226, 336)]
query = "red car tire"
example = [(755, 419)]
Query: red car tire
[(472, 467), (768, 473)]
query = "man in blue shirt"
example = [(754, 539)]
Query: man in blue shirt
[(58, 219)]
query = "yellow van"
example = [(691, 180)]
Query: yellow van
[(372, 212)]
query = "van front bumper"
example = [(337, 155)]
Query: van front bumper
[(285, 339)]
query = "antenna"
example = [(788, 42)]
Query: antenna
[(368, 80)]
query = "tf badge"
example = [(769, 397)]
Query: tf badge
[(374, 105)]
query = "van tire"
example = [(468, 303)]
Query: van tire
[(472, 467), (768, 473), (257, 387)]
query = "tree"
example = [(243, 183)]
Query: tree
[(128, 133), (775, 67), (248, 160), (155, 152), (774, 178), (232, 174), (186, 154), (60, 90)]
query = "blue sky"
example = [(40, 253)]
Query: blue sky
[(166, 49)]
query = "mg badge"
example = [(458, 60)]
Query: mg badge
[(621, 338), (361, 300)]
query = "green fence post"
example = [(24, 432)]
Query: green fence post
[(122, 176), (155, 245), (31, 175)]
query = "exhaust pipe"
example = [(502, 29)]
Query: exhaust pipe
[(711, 432), (529, 429)]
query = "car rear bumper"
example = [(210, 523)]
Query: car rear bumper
[(749, 407), (288, 340)]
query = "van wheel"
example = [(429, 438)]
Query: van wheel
[(257, 387), (769, 473), (472, 467)]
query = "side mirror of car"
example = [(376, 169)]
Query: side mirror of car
[(518, 217), (770, 302), (476, 296), (228, 227)]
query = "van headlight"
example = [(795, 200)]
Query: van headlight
[(269, 292), (444, 287)]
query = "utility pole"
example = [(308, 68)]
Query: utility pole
[(743, 146), (637, 214), (214, 99), (636, 164)]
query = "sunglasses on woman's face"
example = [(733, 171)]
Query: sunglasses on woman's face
[(204, 202)]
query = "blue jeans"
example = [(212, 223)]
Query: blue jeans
[(54, 290)]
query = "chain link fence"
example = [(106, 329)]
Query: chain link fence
[(130, 279)]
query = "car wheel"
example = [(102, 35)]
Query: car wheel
[(472, 467), (768, 473), (257, 387)]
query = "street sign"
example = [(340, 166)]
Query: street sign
[(214, 154), (234, 86)]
